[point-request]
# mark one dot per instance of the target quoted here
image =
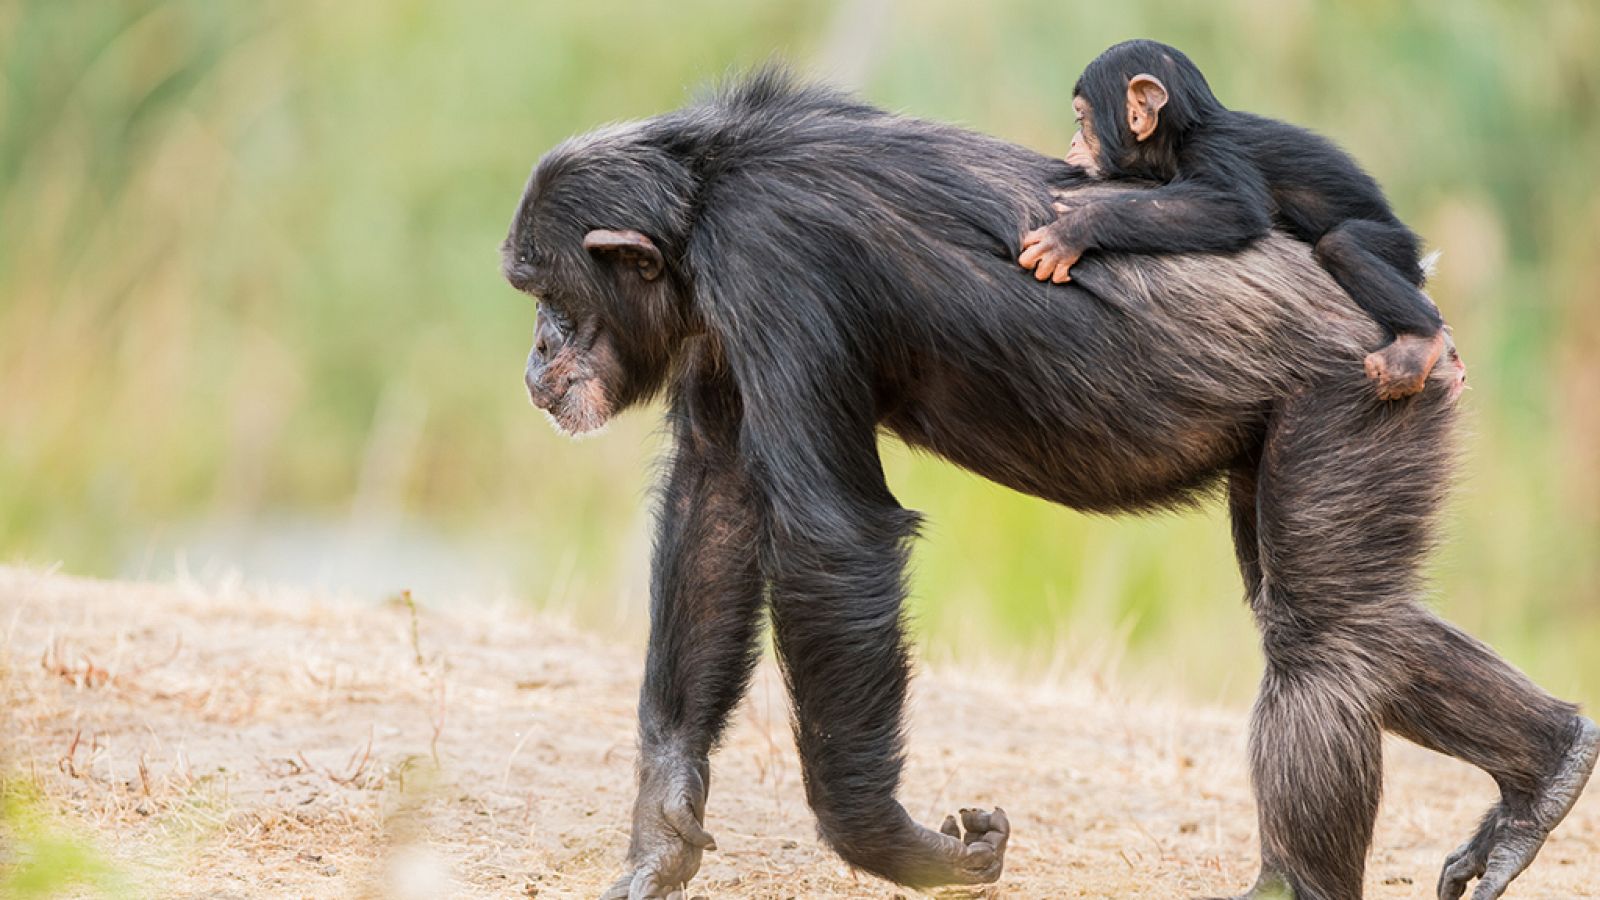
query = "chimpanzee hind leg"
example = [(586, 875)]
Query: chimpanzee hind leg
[(1315, 742), (1345, 495), (1340, 515), (1457, 697), (1376, 263), (836, 601)]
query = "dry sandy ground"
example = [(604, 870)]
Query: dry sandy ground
[(225, 743)]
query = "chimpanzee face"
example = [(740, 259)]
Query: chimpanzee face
[(1085, 149), (607, 322), (573, 372)]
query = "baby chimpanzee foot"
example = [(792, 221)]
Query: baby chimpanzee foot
[(1401, 368)]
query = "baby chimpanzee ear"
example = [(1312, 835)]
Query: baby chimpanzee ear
[(1146, 96), (627, 248)]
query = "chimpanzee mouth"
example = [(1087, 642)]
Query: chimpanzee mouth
[(580, 409)]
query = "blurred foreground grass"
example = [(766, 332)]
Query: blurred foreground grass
[(44, 858), (248, 275)]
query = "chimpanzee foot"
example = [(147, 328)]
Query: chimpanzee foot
[(1401, 367), (969, 851), (1508, 839), (668, 838), (641, 886)]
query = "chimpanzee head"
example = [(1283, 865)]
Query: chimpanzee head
[(1136, 104), (598, 241)]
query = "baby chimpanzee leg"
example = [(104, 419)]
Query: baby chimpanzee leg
[(1376, 264)]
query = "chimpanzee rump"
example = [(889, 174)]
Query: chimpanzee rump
[(797, 270)]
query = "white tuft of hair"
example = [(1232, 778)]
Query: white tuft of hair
[(1430, 264)]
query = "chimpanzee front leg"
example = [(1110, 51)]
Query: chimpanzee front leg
[(837, 588), (704, 620)]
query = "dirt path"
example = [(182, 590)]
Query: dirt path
[(222, 743)]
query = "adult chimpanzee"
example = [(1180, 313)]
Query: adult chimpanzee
[(796, 270), (1145, 111)]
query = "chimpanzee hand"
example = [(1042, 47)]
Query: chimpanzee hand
[(668, 837), (1051, 252)]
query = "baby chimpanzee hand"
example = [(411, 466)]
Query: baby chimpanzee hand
[(1050, 252)]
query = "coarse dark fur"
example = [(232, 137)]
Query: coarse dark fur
[(828, 270), (1228, 176)]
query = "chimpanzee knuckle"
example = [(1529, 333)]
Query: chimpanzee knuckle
[(978, 855), (950, 828), (981, 864), (679, 812)]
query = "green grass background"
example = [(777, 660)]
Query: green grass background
[(248, 275)]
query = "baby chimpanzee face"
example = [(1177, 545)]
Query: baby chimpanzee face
[(1085, 149)]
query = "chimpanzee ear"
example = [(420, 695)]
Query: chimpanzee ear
[(629, 248), (1146, 96)]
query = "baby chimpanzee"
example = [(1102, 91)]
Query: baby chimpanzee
[(1145, 112)]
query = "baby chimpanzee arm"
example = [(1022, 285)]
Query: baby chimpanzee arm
[(1218, 202)]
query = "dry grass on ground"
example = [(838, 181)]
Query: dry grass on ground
[(223, 743)]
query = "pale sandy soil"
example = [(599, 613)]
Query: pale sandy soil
[(218, 742)]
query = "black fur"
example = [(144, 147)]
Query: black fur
[(833, 270)]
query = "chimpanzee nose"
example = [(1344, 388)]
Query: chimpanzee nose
[(547, 339)]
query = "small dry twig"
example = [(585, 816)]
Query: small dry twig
[(410, 604)]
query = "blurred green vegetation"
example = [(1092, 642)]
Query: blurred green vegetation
[(42, 857), (248, 271)]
